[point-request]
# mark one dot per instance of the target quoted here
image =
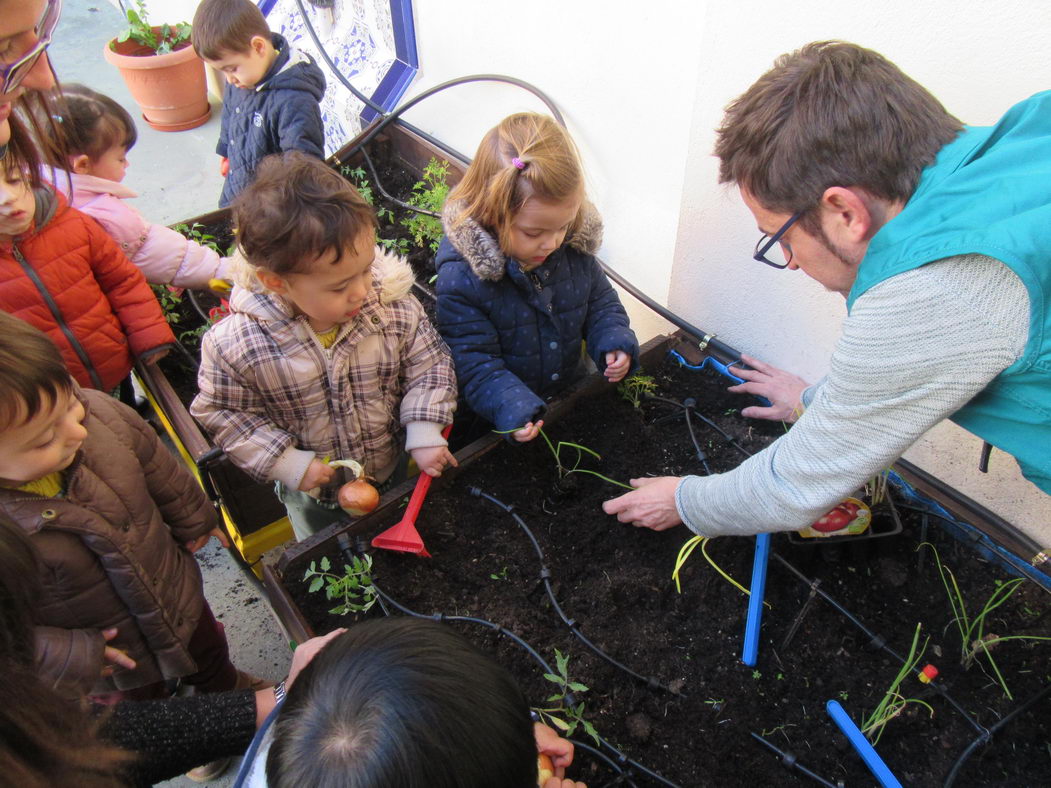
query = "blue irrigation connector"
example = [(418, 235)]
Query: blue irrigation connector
[(861, 745), (755, 600), (723, 369)]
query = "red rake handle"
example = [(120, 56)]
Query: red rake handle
[(423, 484)]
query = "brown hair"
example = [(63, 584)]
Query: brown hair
[(36, 136), (32, 373), (223, 27), (493, 189), (92, 122), (44, 739), (296, 210), (830, 114)]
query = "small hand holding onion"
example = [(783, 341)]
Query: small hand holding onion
[(356, 497)]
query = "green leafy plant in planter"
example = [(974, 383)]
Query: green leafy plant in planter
[(974, 641), (353, 588), (141, 31), (567, 717), (893, 702), (635, 388), (428, 194)]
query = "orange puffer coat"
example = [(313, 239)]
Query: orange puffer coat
[(68, 278), (111, 554)]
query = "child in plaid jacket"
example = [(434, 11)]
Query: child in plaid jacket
[(326, 352)]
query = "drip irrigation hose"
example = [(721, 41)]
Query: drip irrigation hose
[(877, 641), (696, 444), (197, 305), (350, 551), (689, 404), (988, 735), (545, 578), (710, 343), (395, 200), (791, 762)]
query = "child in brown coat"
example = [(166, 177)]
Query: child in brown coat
[(116, 520)]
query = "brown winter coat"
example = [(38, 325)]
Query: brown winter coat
[(111, 555)]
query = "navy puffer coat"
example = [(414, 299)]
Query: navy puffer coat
[(515, 336), (281, 113)]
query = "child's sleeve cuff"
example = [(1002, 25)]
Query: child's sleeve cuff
[(291, 466), (423, 435)]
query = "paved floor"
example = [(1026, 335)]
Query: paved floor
[(177, 177)]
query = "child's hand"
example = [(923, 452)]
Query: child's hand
[(432, 460), (318, 473), (549, 743), (617, 365), (224, 166), (114, 656), (528, 432), (196, 544)]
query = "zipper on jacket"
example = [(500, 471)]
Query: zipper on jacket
[(59, 318)]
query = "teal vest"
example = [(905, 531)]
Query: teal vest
[(989, 192)]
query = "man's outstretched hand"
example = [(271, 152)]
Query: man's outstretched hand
[(650, 505), (783, 389)]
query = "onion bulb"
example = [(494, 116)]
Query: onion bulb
[(358, 497)]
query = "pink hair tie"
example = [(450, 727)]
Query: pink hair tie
[(519, 164)]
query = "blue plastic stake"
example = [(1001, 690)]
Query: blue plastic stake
[(755, 600), (861, 744)]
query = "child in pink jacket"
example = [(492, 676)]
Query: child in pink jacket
[(98, 134)]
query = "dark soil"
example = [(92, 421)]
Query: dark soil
[(614, 580)]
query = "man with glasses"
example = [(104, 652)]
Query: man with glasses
[(938, 236), (26, 27)]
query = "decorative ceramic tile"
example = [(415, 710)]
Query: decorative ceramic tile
[(372, 43)]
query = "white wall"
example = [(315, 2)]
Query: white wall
[(643, 85)]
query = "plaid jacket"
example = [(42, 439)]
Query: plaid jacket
[(274, 398)]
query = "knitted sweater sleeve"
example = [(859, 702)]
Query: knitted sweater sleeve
[(914, 350), (175, 735)]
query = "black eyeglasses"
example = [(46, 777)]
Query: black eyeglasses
[(13, 73), (771, 246)]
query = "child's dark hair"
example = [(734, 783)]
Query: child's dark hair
[(92, 123), (296, 210), (225, 27), (32, 373), (403, 703)]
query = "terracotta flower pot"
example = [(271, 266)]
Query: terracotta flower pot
[(170, 89)]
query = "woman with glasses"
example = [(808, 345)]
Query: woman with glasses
[(26, 27)]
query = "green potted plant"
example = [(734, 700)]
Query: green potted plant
[(162, 71)]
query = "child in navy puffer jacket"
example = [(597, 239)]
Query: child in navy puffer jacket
[(271, 100), (518, 285)]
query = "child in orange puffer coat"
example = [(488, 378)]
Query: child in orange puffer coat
[(62, 273)]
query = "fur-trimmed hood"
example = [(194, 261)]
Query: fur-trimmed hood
[(482, 251)]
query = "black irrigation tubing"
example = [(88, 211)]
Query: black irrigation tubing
[(701, 455), (357, 549), (791, 762), (876, 641), (545, 577), (689, 406), (395, 200), (988, 735), (622, 775), (197, 305)]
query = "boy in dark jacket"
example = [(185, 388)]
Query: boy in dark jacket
[(271, 100)]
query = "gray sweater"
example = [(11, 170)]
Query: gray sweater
[(914, 350)]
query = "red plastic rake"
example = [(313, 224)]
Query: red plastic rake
[(403, 536)]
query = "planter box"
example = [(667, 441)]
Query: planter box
[(691, 701)]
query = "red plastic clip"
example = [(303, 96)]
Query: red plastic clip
[(928, 674)]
